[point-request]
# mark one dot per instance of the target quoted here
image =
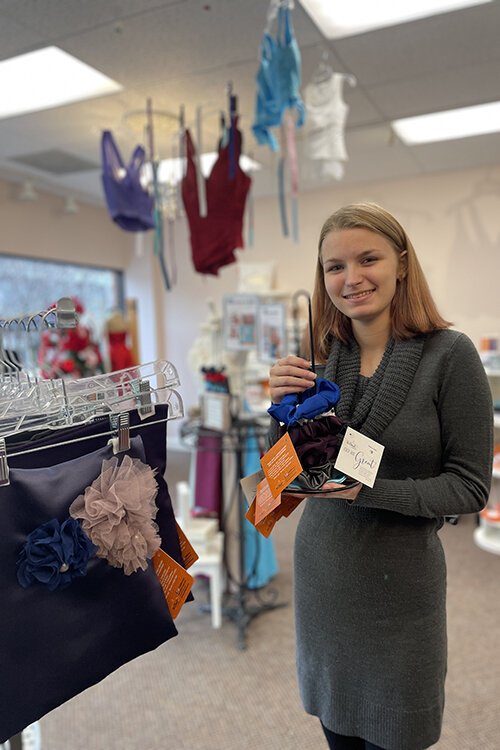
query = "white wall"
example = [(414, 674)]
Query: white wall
[(41, 229)]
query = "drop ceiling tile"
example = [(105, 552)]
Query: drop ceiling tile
[(424, 47), (69, 17), (374, 154), (179, 40), (478, 151), (16, 38), (445, 89), (56, 162)]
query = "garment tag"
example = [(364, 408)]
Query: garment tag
[(264, 501), (359, 457), (188, 553), (267, 524), (289, 503), (175, 581), (281, 465), (249, 485)]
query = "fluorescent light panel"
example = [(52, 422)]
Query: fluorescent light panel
[(449, 125), (172, 170), (340, 19), (48, 78)]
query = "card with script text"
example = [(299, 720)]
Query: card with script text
[(359, 457)]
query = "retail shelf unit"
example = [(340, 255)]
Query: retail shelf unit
[(487, 534)]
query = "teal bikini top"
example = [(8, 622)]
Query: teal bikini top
[(278, 80)]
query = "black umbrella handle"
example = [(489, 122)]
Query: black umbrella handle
[(303, 293)]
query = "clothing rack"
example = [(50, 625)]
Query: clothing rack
[(28, 403), (56, 404), (243, 604)]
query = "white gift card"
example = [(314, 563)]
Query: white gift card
[(359, 457)]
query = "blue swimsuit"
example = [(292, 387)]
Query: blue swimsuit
[(278, 80)]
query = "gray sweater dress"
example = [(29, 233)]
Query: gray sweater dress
[(370, 576)]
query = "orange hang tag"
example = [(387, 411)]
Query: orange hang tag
[(175, 581), (289, 503), (267, 524), (188, 553), (264, 501), (281, 465)]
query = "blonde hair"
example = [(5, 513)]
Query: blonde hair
[(413, 310)]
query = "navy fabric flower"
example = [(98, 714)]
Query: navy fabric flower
[(54, 554)]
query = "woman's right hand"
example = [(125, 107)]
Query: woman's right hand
[(290, 375)]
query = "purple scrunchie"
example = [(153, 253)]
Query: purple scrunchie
[(317, 442)]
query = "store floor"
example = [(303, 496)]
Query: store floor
[(199, 692)]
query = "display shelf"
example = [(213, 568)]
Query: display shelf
[(487, 539), (492, 372), (496, 420)]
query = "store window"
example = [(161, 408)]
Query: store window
[(28, 285)]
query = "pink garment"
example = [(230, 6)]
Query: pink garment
[(117, 513)]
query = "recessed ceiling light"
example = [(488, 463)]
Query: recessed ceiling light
[(449, 125), (48, 78), (350, 17)]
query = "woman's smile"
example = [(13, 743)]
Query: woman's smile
[(359, 296)]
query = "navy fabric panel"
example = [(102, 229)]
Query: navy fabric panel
[(55, 644), (155, 448)]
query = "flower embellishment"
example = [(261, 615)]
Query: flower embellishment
[(54, 554), (117, 513)]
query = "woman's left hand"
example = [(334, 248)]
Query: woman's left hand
[(350, 494)]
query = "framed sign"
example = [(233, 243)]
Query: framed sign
[(240, 322), (271, 332), (216, 412)]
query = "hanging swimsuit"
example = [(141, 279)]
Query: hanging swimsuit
[(326, 117), (215, 237), (129, 204), (278, 81)]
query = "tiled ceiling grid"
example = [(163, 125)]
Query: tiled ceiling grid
[(185, 52)]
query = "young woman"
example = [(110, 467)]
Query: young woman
[(370, 574)]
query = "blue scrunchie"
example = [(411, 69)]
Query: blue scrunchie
[(317, 400)]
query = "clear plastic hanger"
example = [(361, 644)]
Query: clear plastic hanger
[(28, 404), (272, 12), (324, 72), (53, 404)]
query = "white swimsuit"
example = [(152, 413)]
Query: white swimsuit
[(326, 117)]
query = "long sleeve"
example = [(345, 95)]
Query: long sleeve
[(465, 411)]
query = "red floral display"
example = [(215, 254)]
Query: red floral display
[(70, 353)]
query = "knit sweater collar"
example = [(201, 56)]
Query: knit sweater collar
[(387, 389)]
